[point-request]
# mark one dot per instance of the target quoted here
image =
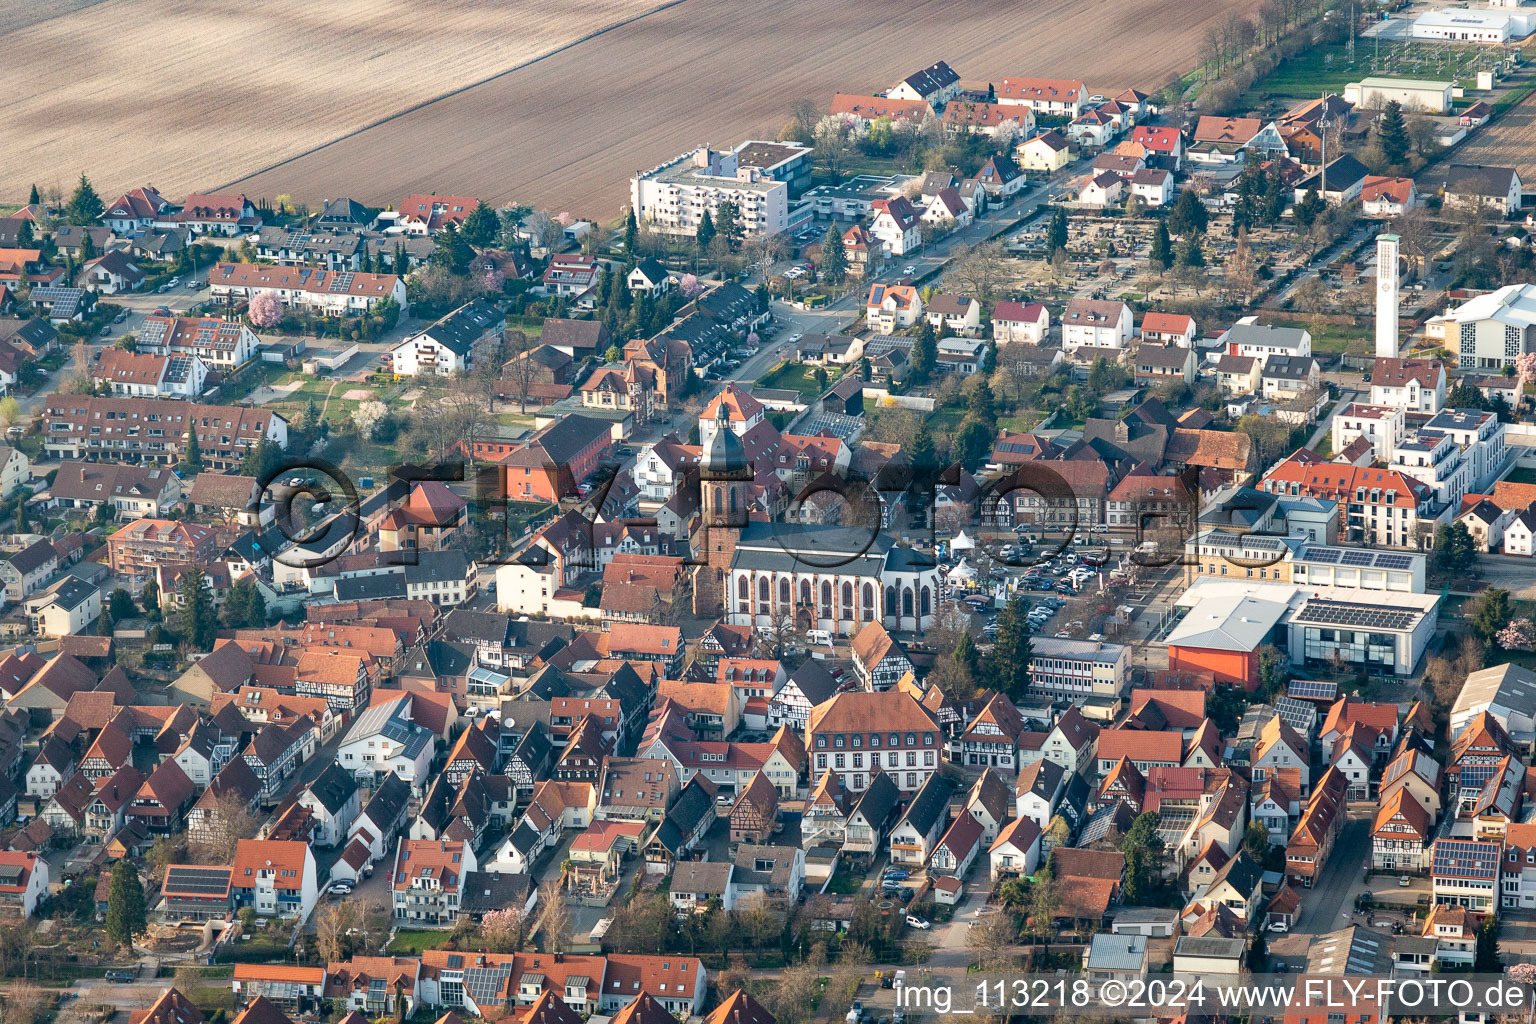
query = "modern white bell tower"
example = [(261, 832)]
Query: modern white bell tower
[(1386, 296)]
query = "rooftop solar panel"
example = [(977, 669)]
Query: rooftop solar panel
[(1312, 689), (1330, 555), (204, 881), (1345, 613), (1357, 557), (1394, 561), (1298, 715)]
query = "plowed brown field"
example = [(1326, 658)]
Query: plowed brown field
[(188, 93), (568, 130), (1508, 142)]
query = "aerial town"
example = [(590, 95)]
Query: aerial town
[(990, 525)]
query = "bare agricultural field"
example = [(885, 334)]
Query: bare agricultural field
[(1508, 142), (567, 131), (189, 93)]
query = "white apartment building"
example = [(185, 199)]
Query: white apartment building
[(1079, 668), (1438, 463), (1096, 323), (1260, 341), (1381, 425), (1478, 433), (673, 196)]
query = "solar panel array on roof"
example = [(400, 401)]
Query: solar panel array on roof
[(1312, 689), (485, 985), (1297, 714), (198, 881), (342, 282), (1475, 776), (1347, 613), (1466, 858), (1350, 556)]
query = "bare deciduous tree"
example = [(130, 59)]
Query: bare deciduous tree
[(230, 821), (331, 925), (554, 917)]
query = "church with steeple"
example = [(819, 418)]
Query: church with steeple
[(724, 479)]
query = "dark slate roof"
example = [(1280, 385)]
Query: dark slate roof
[(389, 801), (814, 681), (1342, 173), (371, 588), (567, 437), (878, 800), (431, 566), (467, 624), (1479, 180), (484, 891), (459, 330), (930, 804), (334, 787), (534, 748), (693, 804), (524, 839)]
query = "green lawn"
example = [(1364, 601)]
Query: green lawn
[(1328, 68), (1329, 339), (795, 377), (411, 941)]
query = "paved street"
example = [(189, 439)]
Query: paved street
[(1327, 905)]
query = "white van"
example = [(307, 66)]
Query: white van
[(818, 637)]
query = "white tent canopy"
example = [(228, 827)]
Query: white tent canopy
[(962, 543)]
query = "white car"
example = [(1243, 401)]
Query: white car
[(913, 921), (909, 269), (340, 889)]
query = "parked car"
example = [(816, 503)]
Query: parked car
[(855, 1012), (120, 977), (913, 921), (340, 889), (896, 874), (909, 269)]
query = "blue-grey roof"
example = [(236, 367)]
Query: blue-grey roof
[(391, 719), (459, 330), (1117, 952)]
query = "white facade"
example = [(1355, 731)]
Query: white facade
[(1491, 331), (1386, 295), (1411, 94), (673, 196), (1086, 324), (1472, 25), (1381, 425), (1079, 668)]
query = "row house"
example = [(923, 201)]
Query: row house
[(1465, 873), (916, 835), (1310, 844), (223, 345), (146, 375), (327, 292), (1400, 833), (156, 430)]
